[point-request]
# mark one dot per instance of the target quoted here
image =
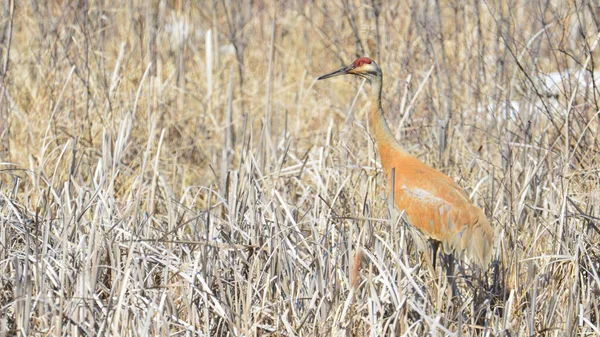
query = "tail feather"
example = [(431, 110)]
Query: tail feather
[(474, 241), (480, 244)]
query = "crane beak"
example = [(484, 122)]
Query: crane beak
[(343, 71)]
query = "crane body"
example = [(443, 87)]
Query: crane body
[(432, 202)]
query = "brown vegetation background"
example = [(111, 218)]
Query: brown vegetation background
[(172, 167)]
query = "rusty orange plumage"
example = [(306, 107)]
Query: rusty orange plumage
[(432, 202)]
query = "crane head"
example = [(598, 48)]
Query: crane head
[(363, 67)]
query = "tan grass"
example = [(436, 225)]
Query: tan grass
[(172, 167)]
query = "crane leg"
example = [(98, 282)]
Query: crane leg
[(448, 263), (434, 248), (450, 276)]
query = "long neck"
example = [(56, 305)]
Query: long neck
[(377, 125)]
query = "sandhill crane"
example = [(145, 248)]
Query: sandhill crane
[(432, 202)]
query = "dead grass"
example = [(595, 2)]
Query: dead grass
[(142, 196)]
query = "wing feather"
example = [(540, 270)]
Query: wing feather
[(435, 205)]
